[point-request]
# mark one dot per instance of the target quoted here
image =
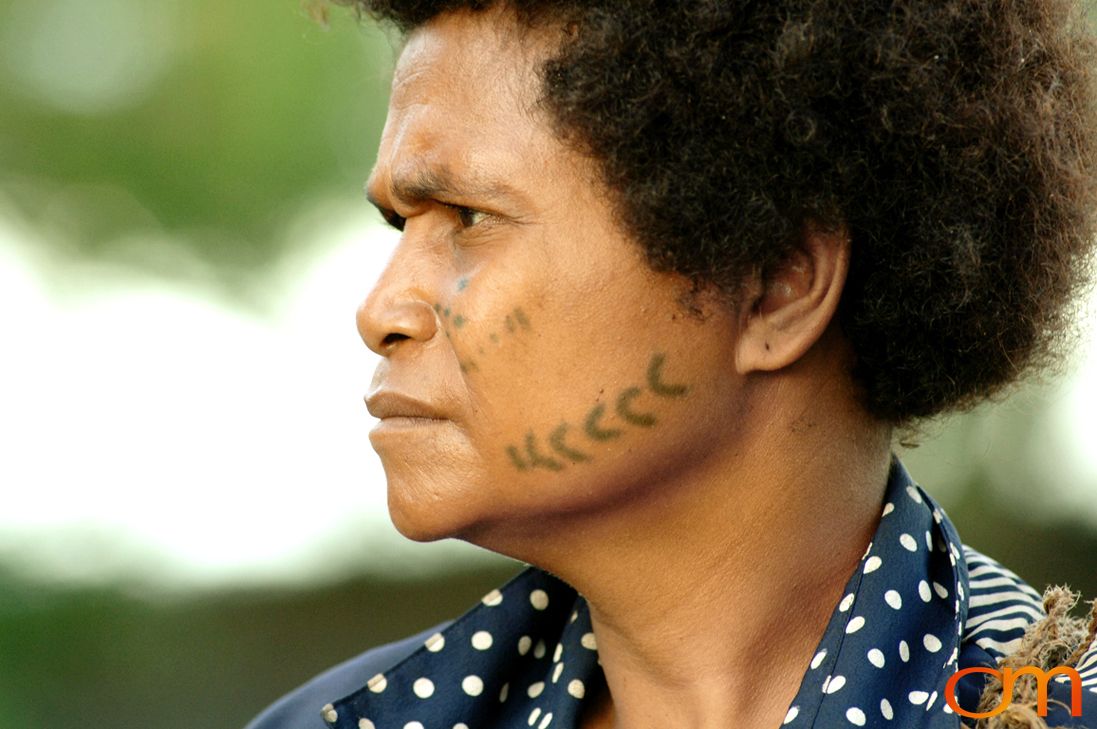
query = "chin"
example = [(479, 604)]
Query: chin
[(424, 515)]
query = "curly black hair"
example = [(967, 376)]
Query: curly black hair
[(953, 139)]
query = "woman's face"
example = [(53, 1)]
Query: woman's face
[(533, 365)]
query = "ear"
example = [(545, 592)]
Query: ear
[(782, 315)]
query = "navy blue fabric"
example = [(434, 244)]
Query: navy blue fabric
[(526, 656), (301, 708)]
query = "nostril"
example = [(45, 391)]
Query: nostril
[(393, 339)]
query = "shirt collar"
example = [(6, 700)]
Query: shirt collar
[(526, 655)]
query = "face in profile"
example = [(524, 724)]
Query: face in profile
[(534, 368)]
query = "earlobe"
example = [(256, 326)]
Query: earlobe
[(784, 313)]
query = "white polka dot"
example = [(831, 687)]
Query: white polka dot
[(413, 725), (577, 689), (503, 692), (539, 599), (940, 590), (535, 689), (924, 591), (524, 644), (913, 492), (917, 697), (888, 508), (435, 643), (472, 685), (818, 658), (546, 721), (937, 515), (493, 598), (908, 542), (893, 599), (885, 709), (589, 641), (556, 653), (539, 649), (557, 671), (423, 688), (855, 716), (929, 541), (533, 716), (946, 708), (846, 603), (481, 640), (377, 684), (876, 657), (931, 642), (329, 713), (460, 725), (872, 564), (365, 724), (574, 615), (792, 712), (867, 550), (952, 560), (835, 684), (932, 698), (855, 624), (904, 651)]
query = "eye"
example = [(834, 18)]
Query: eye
[(468, 217)]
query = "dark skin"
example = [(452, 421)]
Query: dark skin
[(694, 454)]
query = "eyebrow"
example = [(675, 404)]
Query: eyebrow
[(429, 183)]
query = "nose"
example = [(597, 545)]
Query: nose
[(397, 310)]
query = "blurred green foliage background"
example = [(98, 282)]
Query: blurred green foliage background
[(209, 127)]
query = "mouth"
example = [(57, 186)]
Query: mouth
[(398, 411)]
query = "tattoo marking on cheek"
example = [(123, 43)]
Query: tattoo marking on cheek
[(520, 316), (536, 459), (556, 440), (494, 338), (624, 400), (462, 284), (445, 312), (655, 379), (510, 324), (516, 459), (590, 427), (459, 321)]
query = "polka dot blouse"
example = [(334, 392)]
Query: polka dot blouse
[(919, 606)]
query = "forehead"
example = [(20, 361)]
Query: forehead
[(464, 97)]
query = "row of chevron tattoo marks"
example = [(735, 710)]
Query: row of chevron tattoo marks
[(560, 453)]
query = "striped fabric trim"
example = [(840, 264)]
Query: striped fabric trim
[(1001, 607)]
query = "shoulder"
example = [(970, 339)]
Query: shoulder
[(301, 708)]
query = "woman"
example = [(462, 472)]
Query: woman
[(668, 284)]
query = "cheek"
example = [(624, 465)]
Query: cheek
[(479, 337), (594, 419)]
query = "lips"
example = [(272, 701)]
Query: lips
[(387, 405)]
